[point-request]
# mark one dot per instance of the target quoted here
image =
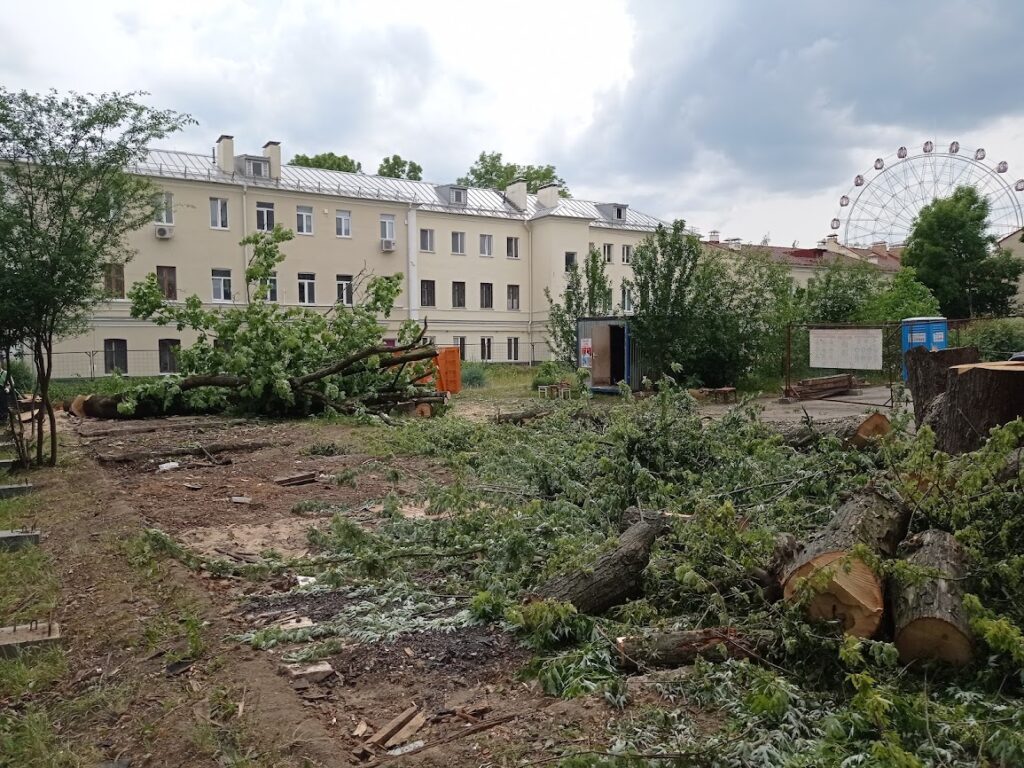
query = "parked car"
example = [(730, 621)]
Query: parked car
[(1017, 357)]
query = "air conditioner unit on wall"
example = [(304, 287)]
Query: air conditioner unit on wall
[(387, 245), (163, 231)]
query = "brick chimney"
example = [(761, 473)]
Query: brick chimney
[(516, 193), (225, 153), (547, 196), (272, 151)]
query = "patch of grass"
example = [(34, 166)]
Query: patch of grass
[(29, 585), (31, 671), (311, 507), (18, 511), (346, 477), (326, 448), (225, 736)]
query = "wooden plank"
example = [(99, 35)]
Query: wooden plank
[(14, 638), (407, 731), (1005, 366), (393, 727), (12, 540), (303, 478), (9, 491)]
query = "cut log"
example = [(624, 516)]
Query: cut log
[(927, 373), (854, 431), (191, 450), (677, 649), (978, 398), (929, 616), (521, 417), (851, 591), (615, 576)]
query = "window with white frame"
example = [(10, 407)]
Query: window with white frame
[(627, 299), (164, 208), (458, 242), (428, 293), (457, 196), (304, 219), (427, 240), (256, 167), (115, 356), (272, 287), (168, 354), (485, 347), (606, 251), (627, 254), (486, 295), (264, 217), (460, 342), (486, 245), (307, 288), (459, 295), (512, 296), (620, 212), (344, 289), (387, 226), (512, 247), (221, 284), (512, 351), (343, 223), (218, 213)]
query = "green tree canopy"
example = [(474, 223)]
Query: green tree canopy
[(587, 293), (67, 204), (840, 292), (395, 167), (329, 161), (958, 259), (490, 171), (903, 296)]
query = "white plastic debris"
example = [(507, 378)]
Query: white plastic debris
[(168, 466)]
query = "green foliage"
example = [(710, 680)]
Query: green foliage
[(587, 293), (396, 168), (473, 374), (270, 354), (67, 205), (903, 296), (22, 373), (327, 448), (841, 293), (995, 339), (717, 320), (490, 171), (959, 260), (329, 161), (551, 372)]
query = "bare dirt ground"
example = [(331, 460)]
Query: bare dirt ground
[(151, 643)]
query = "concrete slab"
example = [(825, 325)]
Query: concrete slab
[(19, 636), (8, 463), (10, 491), (12, 540)]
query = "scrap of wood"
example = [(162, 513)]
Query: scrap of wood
[(393, 727), (485, 725), (360, 729), (303, 478), (407, 731), (241, 500)]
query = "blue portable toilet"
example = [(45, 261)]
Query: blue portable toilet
[(931, 332)]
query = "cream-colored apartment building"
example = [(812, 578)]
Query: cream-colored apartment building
[(475, 262)]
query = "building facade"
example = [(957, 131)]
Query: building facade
[(475, 262)]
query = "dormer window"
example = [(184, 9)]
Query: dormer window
[(620, 212), (256, 167), (457, 196)]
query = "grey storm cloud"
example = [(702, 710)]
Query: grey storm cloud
[(779, 89)]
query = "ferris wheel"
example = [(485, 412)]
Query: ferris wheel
[(884, 201)]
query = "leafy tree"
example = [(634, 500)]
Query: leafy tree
[(395, 167), (67, 204), (959, 260), (266, 358), (903, 296), (588, 293), (841, 292), (329, 161), (490, 171)]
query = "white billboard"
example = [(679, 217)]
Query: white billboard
[(852, 348)]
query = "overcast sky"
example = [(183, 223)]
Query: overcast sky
[(747, 116)]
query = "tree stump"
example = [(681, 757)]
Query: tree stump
[(927, 373), (852, 592), (615, 576), (929, 616), (978, 398)]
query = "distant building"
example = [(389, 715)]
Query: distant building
[(1012, 243)]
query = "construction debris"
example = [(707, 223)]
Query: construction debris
[(15, 637), (303, 478), (393, 727), (310, 673), (822, 386)]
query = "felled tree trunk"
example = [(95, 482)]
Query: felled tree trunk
[(929, 616), (978, 398), (520, 417), (850, 591), (927, 373), (615, 576), (677, 649), (855, 431)]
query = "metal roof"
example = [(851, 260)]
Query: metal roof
[(479, 202)]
